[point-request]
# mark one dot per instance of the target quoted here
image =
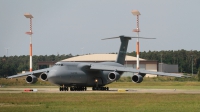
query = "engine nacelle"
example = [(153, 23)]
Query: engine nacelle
[(31, 79), (113, 76), (137, 78), (43, 76)]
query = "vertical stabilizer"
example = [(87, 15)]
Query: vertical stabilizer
[(122, 50), (124, 44), (123, 47)]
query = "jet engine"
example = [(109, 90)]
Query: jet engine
[(137, 78), (31, 79), (113, 76), (43, 76)]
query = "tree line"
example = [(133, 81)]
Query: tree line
[(16, 64), (185, 60)]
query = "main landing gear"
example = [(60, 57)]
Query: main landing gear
[(75, 88), (79, 88), (100, 88)]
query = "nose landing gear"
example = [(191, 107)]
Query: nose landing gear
[(78, 88), (74, 88)]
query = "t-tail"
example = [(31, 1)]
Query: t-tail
[(123, 47), (122, 50)]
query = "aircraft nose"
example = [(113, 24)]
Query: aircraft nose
[(51, 75)]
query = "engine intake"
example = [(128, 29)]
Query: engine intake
[(137, 78), (43, 76), (31, 79), (113, 76)]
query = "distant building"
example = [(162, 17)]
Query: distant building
[(168, 68), (45, 64), (130, 61)]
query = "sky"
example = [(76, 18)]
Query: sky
[(77, 26)]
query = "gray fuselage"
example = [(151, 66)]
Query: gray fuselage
[(79, 74)]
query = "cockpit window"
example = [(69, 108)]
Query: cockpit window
[(58, 64)]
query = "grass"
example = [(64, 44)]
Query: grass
[(90, 102), (102, 102)]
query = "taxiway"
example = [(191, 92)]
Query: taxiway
[(112, 90)]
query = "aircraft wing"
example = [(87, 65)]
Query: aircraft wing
[(129, 69), (36, 73)]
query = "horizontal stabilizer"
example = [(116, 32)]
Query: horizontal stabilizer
[(127, 37)]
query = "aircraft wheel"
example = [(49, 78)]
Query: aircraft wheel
[(61, 88), (75, 88), (82, 88), (65, 88), (71, 88), (107, 88)]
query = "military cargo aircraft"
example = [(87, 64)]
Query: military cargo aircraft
[(77, 76)]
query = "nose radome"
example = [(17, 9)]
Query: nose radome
[(51, 75)]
